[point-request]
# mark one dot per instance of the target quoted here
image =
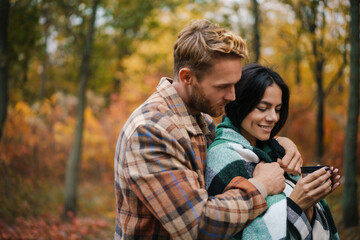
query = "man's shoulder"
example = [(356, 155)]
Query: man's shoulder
[(154, 112)]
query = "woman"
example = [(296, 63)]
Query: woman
[(245, 138)]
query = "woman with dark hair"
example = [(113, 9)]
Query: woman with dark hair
[(245, 138)]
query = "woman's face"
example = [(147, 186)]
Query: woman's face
[(259, 123)]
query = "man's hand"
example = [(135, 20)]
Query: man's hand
[(271, 175), (292, 160)]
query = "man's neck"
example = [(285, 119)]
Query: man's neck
[(184, 95)]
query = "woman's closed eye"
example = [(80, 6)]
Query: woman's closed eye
[(264, 109)]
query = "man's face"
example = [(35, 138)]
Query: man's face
[(216, 89)]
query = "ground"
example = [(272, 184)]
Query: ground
[(96, 218)]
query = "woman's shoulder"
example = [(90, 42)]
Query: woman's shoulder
[(225, 152)]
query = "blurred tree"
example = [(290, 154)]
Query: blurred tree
[(133, 22), (70, 205), (244, 19), (312, 16), (129, 17), (67, 24), (350, 204), (46, 22), (256, 41), (23, 36), (4, 17), (292, 37)]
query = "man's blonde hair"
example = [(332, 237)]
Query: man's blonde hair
[(201, 42)]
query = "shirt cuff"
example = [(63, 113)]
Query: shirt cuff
[(260, 187)]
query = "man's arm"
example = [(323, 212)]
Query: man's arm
[(292, 160), (159, 173)]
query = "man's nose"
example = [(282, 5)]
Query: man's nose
[(230, 94)]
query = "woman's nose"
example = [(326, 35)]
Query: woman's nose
[(272, 115)]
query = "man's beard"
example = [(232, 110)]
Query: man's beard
[(199, 102)]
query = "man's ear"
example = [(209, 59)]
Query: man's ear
[(186, 76)]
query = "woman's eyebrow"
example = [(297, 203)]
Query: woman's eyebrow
[(269, 104)]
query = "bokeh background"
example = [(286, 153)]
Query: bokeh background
[(73, 71)]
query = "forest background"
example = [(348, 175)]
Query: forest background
[(73, 71)]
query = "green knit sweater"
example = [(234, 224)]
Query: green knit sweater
[(232, 155)]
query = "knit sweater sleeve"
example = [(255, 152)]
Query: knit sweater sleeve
[(223, 164), (299, 226)]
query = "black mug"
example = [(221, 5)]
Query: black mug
[(306, 170)]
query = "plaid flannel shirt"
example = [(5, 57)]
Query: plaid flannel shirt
[(159, 176)]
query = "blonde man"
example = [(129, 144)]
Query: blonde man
[(161, 151)]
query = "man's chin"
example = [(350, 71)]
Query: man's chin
[(217, 113)]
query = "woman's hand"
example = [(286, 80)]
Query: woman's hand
[(335, 177), (292, 160), (311, 189)]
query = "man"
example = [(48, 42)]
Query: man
[(161, 151)]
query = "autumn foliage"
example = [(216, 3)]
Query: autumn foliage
[(49, 227), (35, 149), (132, 49), (34, 152)]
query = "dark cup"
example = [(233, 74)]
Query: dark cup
[(306, 170)]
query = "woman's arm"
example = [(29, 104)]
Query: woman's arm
[(311, 189)]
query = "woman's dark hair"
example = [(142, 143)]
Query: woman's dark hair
[(250, 90)]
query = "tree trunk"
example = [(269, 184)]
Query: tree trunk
[(256, 41), (43, 77), (298, 59), (320, 112), (318, 68), (4, 18), (297, 68), (70, 205), (350, 203), (45, 58)]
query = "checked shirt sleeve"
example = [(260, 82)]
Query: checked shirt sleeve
[(162, 175)]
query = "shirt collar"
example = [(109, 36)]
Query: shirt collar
[(195, 124)]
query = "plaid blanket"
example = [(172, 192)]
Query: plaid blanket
[(231, 155)]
